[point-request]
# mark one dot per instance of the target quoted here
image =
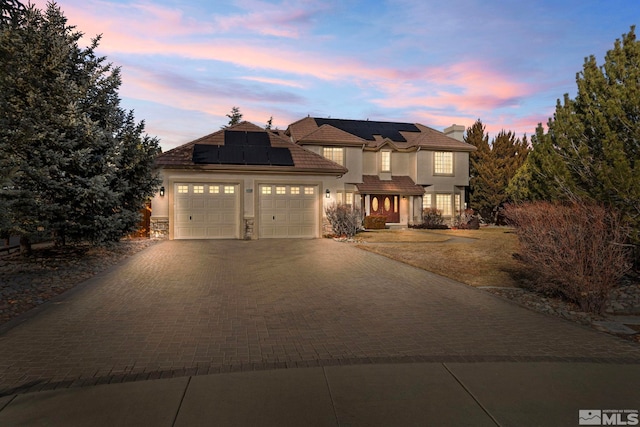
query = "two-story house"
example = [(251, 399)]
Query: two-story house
[(245, 182), (394, 169)]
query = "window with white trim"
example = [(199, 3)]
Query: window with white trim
[(385, 161), (281, 190), (183, 189), (443, 204), (229, 189), (426, 201), (309, 190), (198, 189), (443, 163), (214, 189), (348, 198), (457, 200), (265, 190), (295, 190), (335, 154)]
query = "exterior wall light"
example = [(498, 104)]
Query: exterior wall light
[(161, 191), (327, 194)]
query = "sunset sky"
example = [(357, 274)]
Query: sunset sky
[(186, 63)]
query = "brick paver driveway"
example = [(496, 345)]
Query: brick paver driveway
[(197, 307)]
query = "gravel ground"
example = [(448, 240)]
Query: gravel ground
[(28, 282), (624, 300)]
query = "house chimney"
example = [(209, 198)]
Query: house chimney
[(455, 131)]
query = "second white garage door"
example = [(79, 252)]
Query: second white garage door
[(206, 211), (288, 210)]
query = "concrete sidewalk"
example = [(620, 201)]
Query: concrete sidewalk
[(434, 394)]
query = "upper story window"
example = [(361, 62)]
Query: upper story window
[(335, 154), (385, 161), (443, 163)]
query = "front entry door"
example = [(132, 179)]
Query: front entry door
[(387, 205)]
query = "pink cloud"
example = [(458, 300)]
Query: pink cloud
[(272, 81), (465, 86), (467, 90), (288, 18)]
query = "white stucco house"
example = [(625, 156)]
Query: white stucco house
[(245, 182)]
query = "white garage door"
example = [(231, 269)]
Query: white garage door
[(206, 211), (288, 210)]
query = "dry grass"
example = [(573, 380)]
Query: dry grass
[(476, 257)]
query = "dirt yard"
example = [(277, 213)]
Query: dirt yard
[(476, 257)]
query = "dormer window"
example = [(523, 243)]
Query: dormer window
[(335, 154), (385, 161)]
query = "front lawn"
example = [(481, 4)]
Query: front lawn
[(476, 257)]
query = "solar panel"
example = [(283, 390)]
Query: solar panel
[(243, 148), (235, 137), (205, 154), (246, 138), (280, 156), (258, 138), (231, 155), (256, 155), (366, 129)]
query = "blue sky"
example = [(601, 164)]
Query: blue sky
[(186, 63)]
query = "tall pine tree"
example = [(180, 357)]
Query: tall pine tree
[(491, 168), (69, 146), (592, 147)]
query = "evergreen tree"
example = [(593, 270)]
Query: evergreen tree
[(10, 12), (592, 148), (235, 117), (69, 145), (477, 137), (492, 167)]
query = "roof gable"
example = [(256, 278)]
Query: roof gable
[(366, 129), (374, 135), (246, 146), (329, 134)]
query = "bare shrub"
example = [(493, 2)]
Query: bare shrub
[(575, 250), (432, 219), (344, 219), (467, 220)]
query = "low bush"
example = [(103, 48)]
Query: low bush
[(432, 219), (345, 220), (468, 220), (375, 222), (575, 250)]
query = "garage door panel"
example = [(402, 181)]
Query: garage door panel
[(282, 204), (296, 204), (203, 213), (292, 214), (229, 203), (296, 218), (197, 203), (228, 219)]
